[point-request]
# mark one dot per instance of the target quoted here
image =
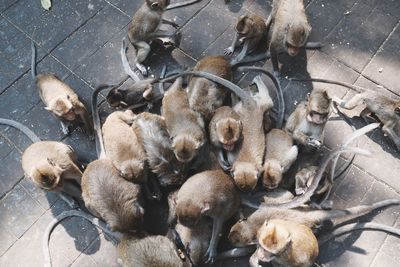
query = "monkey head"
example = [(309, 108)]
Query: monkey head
[(115, 98), (190, 213), (63, 108), (157, 5), (272, 175), (241, 235), (48, 175), (245, 175), (132, 170), (244, 27), (185, 147), (228, 132), (318, 107), (273, 240), (296, 37)]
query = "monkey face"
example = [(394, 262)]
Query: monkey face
[(50, 182), (272, 176), (295, 38), (245, 175), (240, 235), (63, 108), (114, 97), (244, 27), (158, 5), (228, 133)]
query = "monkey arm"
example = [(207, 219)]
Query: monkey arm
[(242, 53), (173, 24), (235, 43), (388, 129), (253, 261), (84, 116)]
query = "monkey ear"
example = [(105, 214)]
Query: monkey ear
[(206, 207), (325, 94), (240, 23)]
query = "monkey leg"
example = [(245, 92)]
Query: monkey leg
[(275, 63), (143, 50), (211, 253), (65, 127), (84, 116), (388, 129), (242, 53), (235, 43), (313, 45), (253, 261)]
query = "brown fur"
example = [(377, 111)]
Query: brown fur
[(185, 126), (279, 156), (225, 128), (49, 163), (287, 243), (206, 96), (61, 100), (109, 196), (307, 127), (122, 146)]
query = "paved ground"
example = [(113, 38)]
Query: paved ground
[(80, 41)]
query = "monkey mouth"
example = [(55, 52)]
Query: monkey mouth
[(229, 147), (293, 50)]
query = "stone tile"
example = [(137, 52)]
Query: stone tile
[(44, 198), (354, 186), (85, 9), (18, 211), (31, 243), (90, 37), (11, 175), (84, 261), (103, 252), (357, 48), (4, 4), (5, 147), (19, 139), (261, 7), (195, 40), (7, 239), (184, 14), (7, 31), (84, 148), (384, 60), (25, 14), (128, 7)]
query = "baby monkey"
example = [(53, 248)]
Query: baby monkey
[(306, 124), (145, 27), (60, 99), (250, 30)]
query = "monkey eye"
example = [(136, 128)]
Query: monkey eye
[(242, 219), (397, 110)]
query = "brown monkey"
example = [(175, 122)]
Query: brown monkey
[(185, 126), (50, 165), (152, 133), (307, 122), (144, 28), (225, 128), (244, 231), (285, 243), (289, 30), (217, 199), (109, 196), (247, 160), (60, 99), (279, 156), (250, 29), (204, 95), (122, 146)]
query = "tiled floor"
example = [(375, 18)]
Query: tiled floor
[(80, 41)]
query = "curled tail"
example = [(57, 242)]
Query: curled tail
[(31, 135), (356, 88), (370, 226), (71, 213), (33, 61)]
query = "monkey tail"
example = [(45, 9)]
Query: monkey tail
[(31, 135), (278, 91), (181, 4), (125, 63), (356, 88), (237, 252), (370, 226), (96, 121), (66, 214), (33, 60)]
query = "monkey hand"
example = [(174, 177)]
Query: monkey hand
[(314, 143), (142, 69), (228, 51), (211, 255), (300, 191)]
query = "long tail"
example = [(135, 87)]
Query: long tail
[(356, 88), (237, 252), (33, 61), (182, 4), (125, 63), (278, 91), (96, 121), (66, 214), (296, 202), (31, 135), (368, 226)]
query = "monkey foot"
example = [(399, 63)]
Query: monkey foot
[(142, 69), (211, 256), (228, 51)]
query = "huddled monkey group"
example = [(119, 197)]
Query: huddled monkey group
[(215, 157)]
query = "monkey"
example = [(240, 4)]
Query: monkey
[(60, 99), (244, 232), (185, 126), (307, 122), (122, 146), (109, 196), (144, 28), (289, 30), (225, 129), (218, 199), (205, 96), (279, 156), (152, 133), (125, 63), (304, 178), (385, 108), (250, 30), (246, 165), (50, 165), (72, 213), (285, 243)]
